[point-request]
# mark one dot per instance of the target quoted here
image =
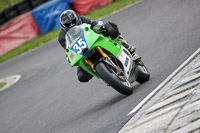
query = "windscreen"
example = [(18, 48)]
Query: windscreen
[(74, 34)]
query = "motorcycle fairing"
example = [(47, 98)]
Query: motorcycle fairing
[(127, 61), (79, 45)]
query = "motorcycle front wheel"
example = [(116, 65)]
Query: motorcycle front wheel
[(108, 75)]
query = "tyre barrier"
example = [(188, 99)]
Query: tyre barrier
[(19, 9), (11, 12), (16, 32), (37, 17), (86, 6), (24, 7), (47, 15)]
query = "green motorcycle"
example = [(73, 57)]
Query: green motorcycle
[(104, 58)]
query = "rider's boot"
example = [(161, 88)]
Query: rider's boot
[(83, 76), (121, 40)]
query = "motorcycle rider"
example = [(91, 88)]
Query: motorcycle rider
[(70, 18)]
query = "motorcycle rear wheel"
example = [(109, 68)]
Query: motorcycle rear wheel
[(123, 87), (143, 74)]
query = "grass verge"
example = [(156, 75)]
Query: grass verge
[(2, 85), (42, 39), (5, 5)]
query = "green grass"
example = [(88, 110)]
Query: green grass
[(2, 85), (111, 7), (5, 5), (42, 39)]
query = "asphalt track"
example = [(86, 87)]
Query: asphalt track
[(49, 99)]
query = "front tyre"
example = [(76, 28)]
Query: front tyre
[(122, 86)]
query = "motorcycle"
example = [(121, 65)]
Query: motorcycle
[(104, 58)]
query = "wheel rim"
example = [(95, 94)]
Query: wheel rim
[(120, 77)]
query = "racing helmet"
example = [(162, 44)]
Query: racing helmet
[(68, 19)]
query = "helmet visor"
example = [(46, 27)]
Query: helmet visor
[(70, 23)]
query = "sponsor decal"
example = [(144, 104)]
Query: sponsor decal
[(126, 61), (72, 56)]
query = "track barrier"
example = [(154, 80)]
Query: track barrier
[(19, 9), (37, 17), (86, 6), (47, 15), (17, 32)]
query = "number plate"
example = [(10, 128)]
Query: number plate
[(79, 45)]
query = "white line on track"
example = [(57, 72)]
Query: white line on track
[(163, 83), (11, 80)]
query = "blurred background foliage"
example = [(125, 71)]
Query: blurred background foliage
[(7, 3)]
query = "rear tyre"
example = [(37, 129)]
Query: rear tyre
[(143, 74), (122, 86)]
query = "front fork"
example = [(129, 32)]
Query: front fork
[(107, 60), (101, 52)]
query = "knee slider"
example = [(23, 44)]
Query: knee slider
[(83, 76)]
